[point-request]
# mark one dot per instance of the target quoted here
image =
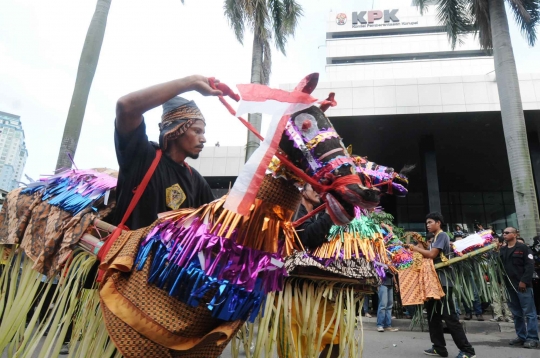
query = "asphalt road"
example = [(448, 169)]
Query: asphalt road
[(406, 344)]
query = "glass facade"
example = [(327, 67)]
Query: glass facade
[(460, 208)]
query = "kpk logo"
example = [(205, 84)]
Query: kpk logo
[(341, 19), (372, 15)]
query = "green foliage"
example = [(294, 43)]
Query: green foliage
[(268, 19), (382, 217), (460, 16)]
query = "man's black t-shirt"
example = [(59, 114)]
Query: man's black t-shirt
[(172, 186), (313, 231)]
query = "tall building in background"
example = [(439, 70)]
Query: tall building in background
[(13, 151), (406, 97)]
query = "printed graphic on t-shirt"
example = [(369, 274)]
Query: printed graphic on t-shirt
[(175, 196)]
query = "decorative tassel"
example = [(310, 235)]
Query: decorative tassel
[(73, 190)]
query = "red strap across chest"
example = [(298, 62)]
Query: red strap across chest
[(136, 197)]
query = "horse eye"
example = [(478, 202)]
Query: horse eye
[(307, 125)]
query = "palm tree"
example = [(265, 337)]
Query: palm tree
[(488, 18), (85, 74), (268, 19)]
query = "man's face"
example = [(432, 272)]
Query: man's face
[(432, 225), (192, 141), (509, 234), (311, 195)]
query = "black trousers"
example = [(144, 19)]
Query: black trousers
[(439, 310)]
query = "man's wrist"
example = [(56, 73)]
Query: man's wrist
[(187, 83)]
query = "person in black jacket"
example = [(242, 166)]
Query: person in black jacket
[(518, 262), (313, 233)]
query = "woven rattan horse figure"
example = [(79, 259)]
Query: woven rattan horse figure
[(184, 286)]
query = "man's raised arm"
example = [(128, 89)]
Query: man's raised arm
[(131, 107)]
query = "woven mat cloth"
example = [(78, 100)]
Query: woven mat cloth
[(144, 321), (46, 233), (417, 286), (358, 268)]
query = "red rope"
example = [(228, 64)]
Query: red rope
[(388, 183), (299, 172), (228, 92)]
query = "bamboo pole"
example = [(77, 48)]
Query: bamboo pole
[(92, 244), (466, 256), (104, 226)]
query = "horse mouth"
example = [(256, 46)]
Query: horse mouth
[(357, 195), (337, 213)]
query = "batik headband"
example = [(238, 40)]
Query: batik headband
[(178, 115)]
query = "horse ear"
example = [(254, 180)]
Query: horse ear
[(308, 83), (349, 149)]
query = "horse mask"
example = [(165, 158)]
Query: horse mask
[(313, 145)]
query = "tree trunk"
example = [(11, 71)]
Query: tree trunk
[(515, 133), (85, 74), (256, 74)]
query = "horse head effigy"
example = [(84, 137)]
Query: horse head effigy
[(385, 179), (312, 144)]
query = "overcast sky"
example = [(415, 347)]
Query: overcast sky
[(146, 42)]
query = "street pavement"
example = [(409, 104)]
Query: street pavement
[(410, 344), (407, 344)]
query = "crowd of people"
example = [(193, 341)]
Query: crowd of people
[(516, 301)]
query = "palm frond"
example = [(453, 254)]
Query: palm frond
[(293, 12), (277, 22), (455, 16), (481, 22), (421, 5), (261, 19), (235, 14), (520, 10), (527, 15)]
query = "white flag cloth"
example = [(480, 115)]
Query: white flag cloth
[(469, 241), (280, 104)]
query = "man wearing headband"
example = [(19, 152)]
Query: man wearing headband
[(174, 184)]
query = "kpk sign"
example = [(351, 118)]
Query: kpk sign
[(373, 18), (372, 15)]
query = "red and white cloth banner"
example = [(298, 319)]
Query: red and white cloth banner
[(280, 104)]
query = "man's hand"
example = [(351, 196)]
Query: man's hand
[(522, 287), (202, 85), (417, 246)]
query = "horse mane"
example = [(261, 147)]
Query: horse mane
[(407, 168)]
